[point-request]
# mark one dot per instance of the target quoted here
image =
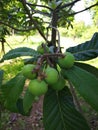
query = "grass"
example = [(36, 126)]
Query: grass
[(20, 41), (15, 41), (12, 68)]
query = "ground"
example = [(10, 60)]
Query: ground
[(33, 122)]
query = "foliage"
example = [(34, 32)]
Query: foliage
[(87, 50), (78, 30), (14, 13), (80, 79), (62, 112), (94, 13), (59, 110), (11, 69), (18, 52)]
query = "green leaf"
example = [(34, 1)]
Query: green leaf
[(20, 106), (1, 77), (30, 60), (85, 83), (18, 52), (25, 104), (87, 50), (88, 68), (28, 101), (59, 112), (12, 90), (21, 109)]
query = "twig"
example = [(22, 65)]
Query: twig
[(33, 21), (68, 4), (83, 9), (41, 13), (8, 45), (6, 24), (43, 6), (43, 57), (53, 55)]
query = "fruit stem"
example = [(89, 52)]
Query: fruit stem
[(53, 55), (39, 63), (43, 57)]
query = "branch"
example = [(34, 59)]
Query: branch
[(54, 25), (83, 9), (45, 56), (58, 50), (40, 12), (6, 24), (69, 4), (43, 6), (32, 20)]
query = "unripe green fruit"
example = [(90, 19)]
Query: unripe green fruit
[(67, 61), (27, 71), (38, 87), (51, 75), (41, 50), (60, 84)]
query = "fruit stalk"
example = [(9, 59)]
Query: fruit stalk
[(45, 56)]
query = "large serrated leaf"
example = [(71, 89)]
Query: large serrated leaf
[(59, 112), (12, 90), (87, 50), (85, 83), (18, 52), (88, 68), (1, 77)]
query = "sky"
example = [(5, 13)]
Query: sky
[(84, 16)]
